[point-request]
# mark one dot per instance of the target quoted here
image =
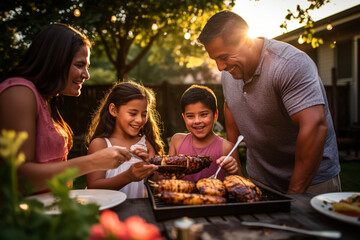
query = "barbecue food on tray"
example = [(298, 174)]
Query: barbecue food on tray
[(174, 185), (189, 198), (242, 189), (193, 164), (214, 187)]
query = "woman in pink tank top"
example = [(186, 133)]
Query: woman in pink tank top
[(56, 63)]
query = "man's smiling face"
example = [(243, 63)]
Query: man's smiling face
[(227, 57)]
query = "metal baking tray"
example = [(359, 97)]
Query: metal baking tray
[(271, 202)]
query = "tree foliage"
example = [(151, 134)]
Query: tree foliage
[(304, 17), (132, 25), (22, 20), (127, 40)]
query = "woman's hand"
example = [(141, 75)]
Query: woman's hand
[(109, 158), (230, 165)]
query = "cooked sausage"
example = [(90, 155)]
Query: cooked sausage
[(189, 198), (175, 185)]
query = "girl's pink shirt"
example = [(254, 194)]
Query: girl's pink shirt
[(50, 144)]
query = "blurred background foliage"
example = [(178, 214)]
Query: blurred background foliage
[(145, 38), (134, 39)]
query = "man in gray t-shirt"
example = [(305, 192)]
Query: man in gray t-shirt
[(276, 100)]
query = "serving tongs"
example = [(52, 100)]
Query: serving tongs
[(160, 166), (326, 234), (164, 168), (137, 157)]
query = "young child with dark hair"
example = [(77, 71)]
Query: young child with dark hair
[(127, 117), (199, 111)]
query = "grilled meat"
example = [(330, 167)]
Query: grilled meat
[(175, 185), (242, 188), (189, 198), (197, 163), (192, 163), (214, 187)]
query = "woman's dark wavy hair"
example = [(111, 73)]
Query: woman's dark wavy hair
[(47, 63), (103, 123)]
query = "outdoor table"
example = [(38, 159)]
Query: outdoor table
[(301, 215)]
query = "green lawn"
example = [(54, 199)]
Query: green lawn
[(350, 175)]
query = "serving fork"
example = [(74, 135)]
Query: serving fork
[(240, 138)]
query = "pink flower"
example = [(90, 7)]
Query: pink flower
[(97, 232), (134, 228), (113, 226), (139, 229)]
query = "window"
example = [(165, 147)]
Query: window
[(344, 59)]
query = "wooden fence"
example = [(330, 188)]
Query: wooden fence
[(77, 111)]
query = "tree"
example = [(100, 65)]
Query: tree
[(21, 20), (129, 37), (140, 23), (303, 16), (114, 25)]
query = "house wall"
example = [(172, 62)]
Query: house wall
[(325, 62), (327, 59), (352, 80)]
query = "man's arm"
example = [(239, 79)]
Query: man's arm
[(232, 131), (309, 146)]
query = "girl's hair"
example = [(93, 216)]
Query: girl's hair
[(198, 93), (103, 123), (47, 63)]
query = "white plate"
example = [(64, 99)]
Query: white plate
[(102, 197), (322, 203)]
